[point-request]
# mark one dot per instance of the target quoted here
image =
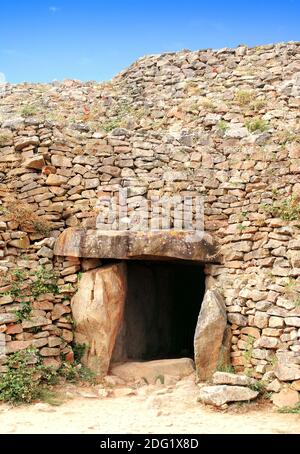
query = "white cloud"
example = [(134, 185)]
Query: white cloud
[(54, 9)]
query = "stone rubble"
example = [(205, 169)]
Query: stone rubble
[(219, 395), (227, 388)]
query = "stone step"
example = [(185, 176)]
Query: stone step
[(153, 371)]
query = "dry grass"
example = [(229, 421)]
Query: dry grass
[(28, 221)]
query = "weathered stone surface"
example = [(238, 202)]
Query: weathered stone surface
[(47, 351), (249, 331), (287, 372), (59, 310), (90, 264), (55, 363), (296, 385), (6, 299), (136, 245), (37, 162), (35, 321), (225, 352), (152, 371), (45, 252), (221, 394), (237, 132), (266, 342), (286, 398), (238, 319), (15, 346), (61, 161), (27, 141), (21, 243), (55, 180), (8, 318), (274, 386), (209, 334), (14, 329), (276, 322), (98, 310), (54, 341), (292, 321), (225, 378), (261, 320), (287, 368)]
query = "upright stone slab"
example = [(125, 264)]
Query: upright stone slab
[(209, 334), (98, 309)]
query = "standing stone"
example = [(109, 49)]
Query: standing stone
[(98, 308), (209, 334), (225, 351)]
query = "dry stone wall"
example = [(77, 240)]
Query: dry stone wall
[(221, 124)]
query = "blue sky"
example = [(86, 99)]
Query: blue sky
[(93, 40)]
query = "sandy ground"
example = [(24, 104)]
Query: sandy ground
[(146, 410)]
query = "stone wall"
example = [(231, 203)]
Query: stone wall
[(222, 124)]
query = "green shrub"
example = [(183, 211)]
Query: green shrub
[(28, 380), (24, 312), (24, 215), (228, 368), (208, 105), (295, 409), (287, 209), (249, 348), (28, 111), (75, 373), (42, 227), (258, 386), (243, 97), (79, 351), (110, 125), (287, 136), (223, 125), (23, 382), (4, 139), (257, 125), (45, 281), (258, 104)]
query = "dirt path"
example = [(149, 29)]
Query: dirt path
[(148, 410)]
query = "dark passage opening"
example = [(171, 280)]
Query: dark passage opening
[(161, 312)]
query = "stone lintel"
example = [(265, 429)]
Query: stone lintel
[(129, 245)]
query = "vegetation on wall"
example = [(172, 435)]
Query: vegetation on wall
[(28, 111), (24, 215), (287, 209), (25, 286), (27, 379), (257, 125)]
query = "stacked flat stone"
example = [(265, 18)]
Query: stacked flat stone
[(180, 123)]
